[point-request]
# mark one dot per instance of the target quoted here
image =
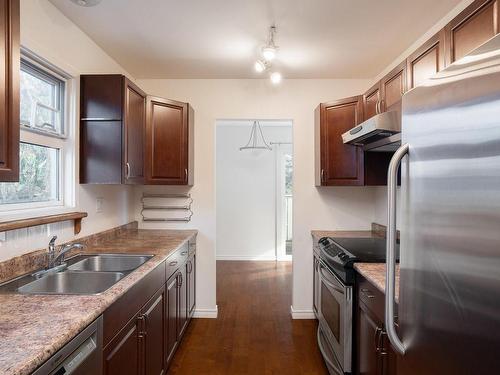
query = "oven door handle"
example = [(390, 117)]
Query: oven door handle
[(324, 279), (323, 353)]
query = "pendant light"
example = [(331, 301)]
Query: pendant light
[(254, 143)]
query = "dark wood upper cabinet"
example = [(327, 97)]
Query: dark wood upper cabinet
[(472, 27), (134, 131), (9, 90), (392, 87), (112, 129), (371, 101), (169, 142), (338, 163), (426, 61)]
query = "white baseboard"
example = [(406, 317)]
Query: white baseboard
[(302, 314), (250, 258), (206, 313)]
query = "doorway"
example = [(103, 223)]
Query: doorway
[(254, 190)]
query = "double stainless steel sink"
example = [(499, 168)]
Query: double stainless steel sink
[(83, 274)]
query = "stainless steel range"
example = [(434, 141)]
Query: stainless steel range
[(333, 294)]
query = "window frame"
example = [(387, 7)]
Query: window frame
[(65, 143), (50, 75)]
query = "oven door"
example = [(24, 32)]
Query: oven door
[(335, 315)]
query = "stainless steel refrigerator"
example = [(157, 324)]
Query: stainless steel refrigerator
[(448, 313)]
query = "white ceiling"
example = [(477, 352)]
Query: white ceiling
[(222, 38)]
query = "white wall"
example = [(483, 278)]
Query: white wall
[(314, 208), (245, 191), (48, 33)]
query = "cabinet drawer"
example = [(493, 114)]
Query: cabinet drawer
[(373, 298), (176, 260)]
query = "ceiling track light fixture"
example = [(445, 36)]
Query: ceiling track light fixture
[(86, 3), (269, 52)]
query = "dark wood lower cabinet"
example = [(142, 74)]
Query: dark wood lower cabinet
[(122, 354), (146, 344), (154, 334), (183, 303), (191, 281), (373, 352), (171, 317)]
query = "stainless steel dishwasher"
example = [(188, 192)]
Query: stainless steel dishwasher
[(81, 356)]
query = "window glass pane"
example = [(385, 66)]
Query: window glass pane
[(38, 178), (41, 106)]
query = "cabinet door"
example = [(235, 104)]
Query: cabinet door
[(9, 90), (183, 304), (191, 284), (388, 355), (171, 317), (425, 61), (472, 27), (340, 164), (371, 101), (393, 86), (368, 343), (167, 142), (134, 131), (122, 356), (154, 340)]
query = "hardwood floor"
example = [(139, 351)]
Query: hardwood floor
[(254, 333)]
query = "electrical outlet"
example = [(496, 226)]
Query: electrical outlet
[(99, 204)]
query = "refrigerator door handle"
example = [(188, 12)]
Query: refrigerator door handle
[(390, 280)]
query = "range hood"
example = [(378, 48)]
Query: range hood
[(375, 129)]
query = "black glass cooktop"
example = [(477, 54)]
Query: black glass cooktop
[(340, 254)]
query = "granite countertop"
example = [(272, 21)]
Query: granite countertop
[(33, 327), (375, 273)]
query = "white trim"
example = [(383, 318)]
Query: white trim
[(302, 314), (206, 313), (251, 258)]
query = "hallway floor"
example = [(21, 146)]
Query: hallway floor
[(254, 333)]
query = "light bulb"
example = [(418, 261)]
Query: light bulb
[(269, 53), (276, 78), (259, 66)]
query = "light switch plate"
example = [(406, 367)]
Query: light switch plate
[(99, 204)]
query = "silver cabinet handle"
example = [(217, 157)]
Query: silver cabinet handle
[(377, 107), (323, 175), (390, 276), (184, 253), (367, 293), (186, 174), (174, 263), (128, 170)]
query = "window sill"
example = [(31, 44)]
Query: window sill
[(76, 217)]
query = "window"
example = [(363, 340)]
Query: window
[(44, 146), (42, 100)]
